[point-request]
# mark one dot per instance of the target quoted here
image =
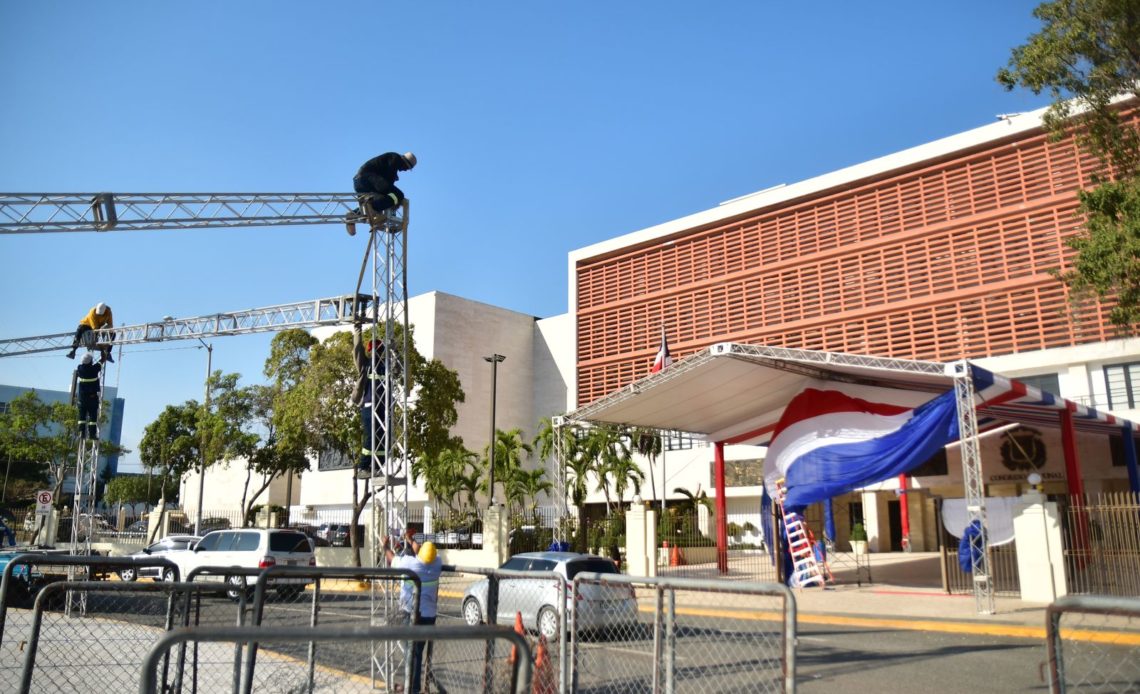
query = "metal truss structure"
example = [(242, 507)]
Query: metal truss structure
[(391, 466), (974, 486), (36, 213), (337, 310)]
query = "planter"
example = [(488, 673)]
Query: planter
[(859, 546)]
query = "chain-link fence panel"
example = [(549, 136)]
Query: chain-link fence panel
[(275, 671), (87, 634), (24, 576), (676, 634), (1093, 644), (531, 599)]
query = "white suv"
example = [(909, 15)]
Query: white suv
[(249, 548)]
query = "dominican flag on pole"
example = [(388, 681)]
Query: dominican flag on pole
[(828, 443), (662, 359)]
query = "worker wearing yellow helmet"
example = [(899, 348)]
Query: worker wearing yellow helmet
[(423, 560)]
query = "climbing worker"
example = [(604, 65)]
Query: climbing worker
[(97, 318), (368, 395), (88, 390), (428, 566), (377, 178)]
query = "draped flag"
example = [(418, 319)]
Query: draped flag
[(662, 359), (828, 443)]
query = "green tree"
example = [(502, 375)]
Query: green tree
[(444, 474), (523, 485), (647, 442), (129, 489), (43, 434), (511, 450), (171, 444), (1086, 55), (608, 449)]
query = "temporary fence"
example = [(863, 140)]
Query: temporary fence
[(102, 645), (1097, 647), (533, 601), (1101, 539), (687, 547), (276, 673), (677, 634)]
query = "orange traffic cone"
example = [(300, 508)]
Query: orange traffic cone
[(544, 679), (676, 558), (521, 631)]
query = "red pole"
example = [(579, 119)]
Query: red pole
[(1076, 488), (904, 513), (721, 510)]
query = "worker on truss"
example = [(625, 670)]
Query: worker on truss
[(97, 318), (375, 182), (88, 391), (369, 396)]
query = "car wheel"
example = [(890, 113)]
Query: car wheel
[(237, 587), (128, 575), (548, 623), (168, 575), (472, 613)]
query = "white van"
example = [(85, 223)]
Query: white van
[(250, 548)]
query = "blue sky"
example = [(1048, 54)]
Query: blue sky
[(540, 127)]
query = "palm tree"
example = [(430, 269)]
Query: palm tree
[(626, 472), (510, 451), (608, 449), (528, 484), (442, 475), (579, 465), (647, 442)]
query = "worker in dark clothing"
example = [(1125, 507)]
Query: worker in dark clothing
[(99, 317), (377, 179), (369, 396), (88, 390)]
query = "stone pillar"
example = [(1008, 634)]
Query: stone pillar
[(267, 518), (495, 541), (640, 540), (1040, 557), (876, 522), (429, 520)]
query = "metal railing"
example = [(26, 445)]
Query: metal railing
[(1101, 539), (695, 635), (1099, 647), (286, 670)]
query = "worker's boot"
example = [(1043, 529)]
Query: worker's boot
[(71, 354)]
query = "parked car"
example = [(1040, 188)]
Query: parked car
[(337, 534), (312, 532), (136, 529), (165, 546), (600, 607), (250, 548)]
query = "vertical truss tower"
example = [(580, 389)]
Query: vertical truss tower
[(975, 489), (388, 246)]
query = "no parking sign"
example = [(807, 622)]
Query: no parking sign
[(43, 502)]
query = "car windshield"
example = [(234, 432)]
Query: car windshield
[(601, 566)]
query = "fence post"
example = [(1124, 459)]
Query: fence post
[(670, 641), (658, 640)]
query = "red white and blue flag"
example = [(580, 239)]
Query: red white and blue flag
[(828, 443), (662, 359)]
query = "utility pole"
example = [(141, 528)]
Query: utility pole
[(202, 472), (494, 359)]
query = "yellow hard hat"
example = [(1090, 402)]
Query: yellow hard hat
[(427, 552)]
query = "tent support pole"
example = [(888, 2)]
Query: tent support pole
[(1130, 458), (721, 510)]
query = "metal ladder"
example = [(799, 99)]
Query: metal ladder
[(806, 570)]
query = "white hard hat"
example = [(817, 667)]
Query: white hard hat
[(409, 159), (100, 308), (86, 358)]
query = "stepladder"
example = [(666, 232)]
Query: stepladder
[(808, 569)]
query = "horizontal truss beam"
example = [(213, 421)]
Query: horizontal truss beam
[(338, 310), (33, 213)]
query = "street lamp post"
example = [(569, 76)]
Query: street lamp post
[(202, 472), (494, 359)]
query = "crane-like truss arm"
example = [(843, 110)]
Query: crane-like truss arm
[(32, 213), (338, 310)]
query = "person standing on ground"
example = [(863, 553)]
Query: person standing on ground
[(377, 177), (426, 564), (97, 318), (88, 391), (368, 395)]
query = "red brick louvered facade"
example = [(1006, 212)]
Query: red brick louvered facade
[(944, 258)]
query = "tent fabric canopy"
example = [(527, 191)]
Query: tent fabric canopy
[(735, 394)]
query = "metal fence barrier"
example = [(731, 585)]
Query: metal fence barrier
[(632, 634), (284, 674), (1098, 647), (22, 580), (535, 601), (71, 651)]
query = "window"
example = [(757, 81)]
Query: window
[(516, 564), (289, 542), (210, 542), (246, 542), (1116, 450), (1122, 382), (601, 566), (1049, 383)]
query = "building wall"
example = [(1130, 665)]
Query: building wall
[(937, 253)]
